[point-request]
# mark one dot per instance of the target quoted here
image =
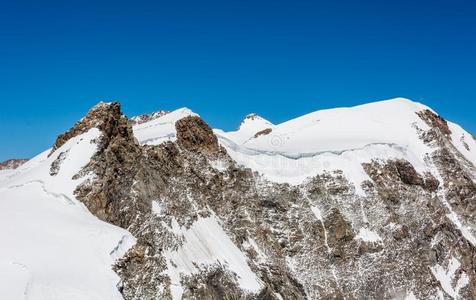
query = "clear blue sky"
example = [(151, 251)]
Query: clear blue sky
[(224, 59)]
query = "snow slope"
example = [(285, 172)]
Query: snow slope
[(342, 139), (325, 140), (463, 141), (51, 244), (251, 125), (340, 129), (161, 129), (335, 139)]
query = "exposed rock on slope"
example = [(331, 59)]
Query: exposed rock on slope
[(104, 116), (114, 164), (263, 132), (288, 211), (12, 164), (52, 247), (434, 121), (148, 117), (194, 135), (311, 240)]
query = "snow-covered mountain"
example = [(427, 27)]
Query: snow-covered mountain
[(12, 164), (250, 128), (376, 201)]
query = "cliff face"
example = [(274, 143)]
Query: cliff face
[(213, 220)]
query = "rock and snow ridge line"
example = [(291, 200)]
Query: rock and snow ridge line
[(398, 115), (336, 139), (12, 164), (333, 131), (256, 146), (57, 241)]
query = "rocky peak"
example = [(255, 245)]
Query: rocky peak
[(11, 164), (113, 163), (107, 117), (175, 197), (194, 134)]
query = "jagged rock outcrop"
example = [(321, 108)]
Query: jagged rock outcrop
[(324, 238), (455, 170), (105, 116), (12, 164), (113, 164), (434, 121), (263, 132), (148, 117), (193, 134)]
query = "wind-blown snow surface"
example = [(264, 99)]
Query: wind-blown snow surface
[(335, 139), (341, 139), (161, 129), (51, 244), (326, 140), (251, 125)]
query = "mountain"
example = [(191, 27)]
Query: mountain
[(148, 117), (375, 201), (12, 164), (251, 127)]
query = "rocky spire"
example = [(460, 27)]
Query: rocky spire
[(107, 117), (113, 163)]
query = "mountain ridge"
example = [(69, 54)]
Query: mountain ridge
[(382, 207), (11, 164)]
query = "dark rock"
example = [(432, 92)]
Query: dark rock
[(12, 164), (193, 134), (263, 132), (105, 116), (407, 173), (115, 163), (431, 183), (434, 121), (56, 164)]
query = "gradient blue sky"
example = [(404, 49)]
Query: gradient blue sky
[(224, 59)]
